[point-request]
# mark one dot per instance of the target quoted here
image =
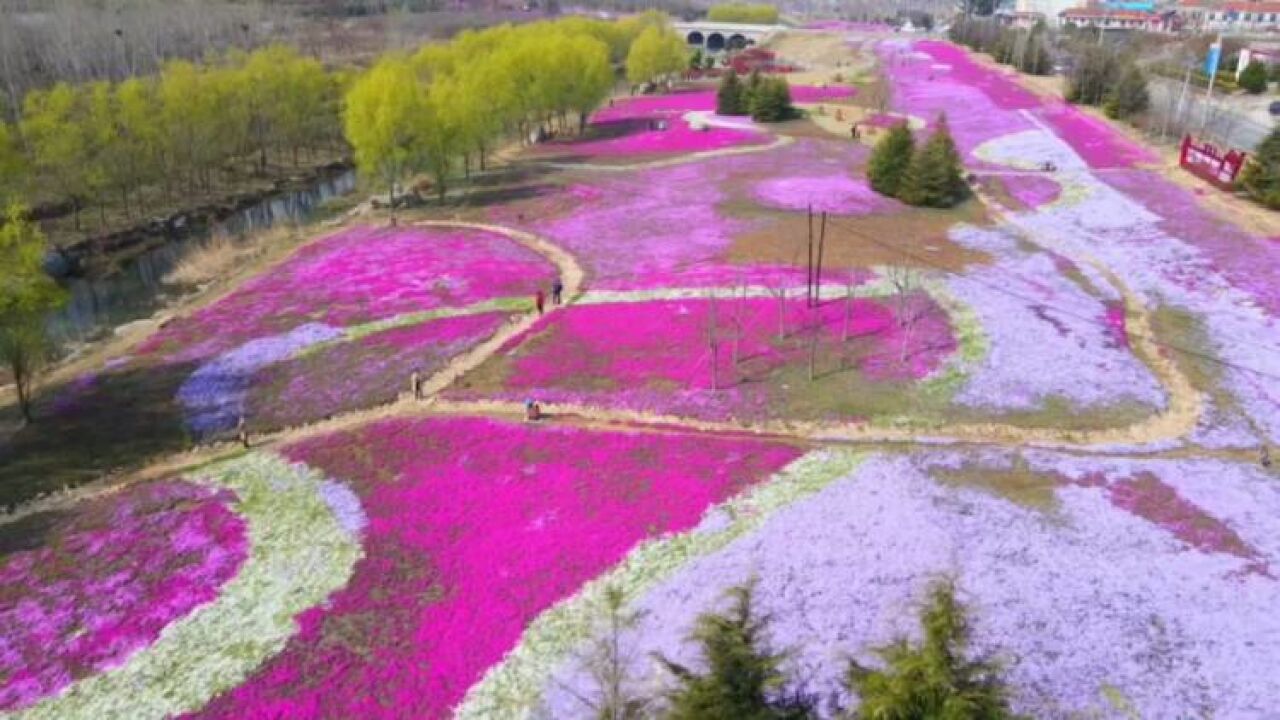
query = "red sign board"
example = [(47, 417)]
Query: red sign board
[(1211, 163)]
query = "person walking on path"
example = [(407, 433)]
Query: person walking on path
[(557, 292), (540, 301), (415, 385), (242, 433)]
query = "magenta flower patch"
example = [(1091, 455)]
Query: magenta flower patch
[(655, 356), (357, 276), (836, 193), (654, 125), (475, 527), (1032, 191), (105, 580)]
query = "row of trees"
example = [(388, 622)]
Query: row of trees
[(757, 14), (1026, 50), (1103, 77), (765, 99), (928, 176), (448, 104), (743, 678), (176, 130)]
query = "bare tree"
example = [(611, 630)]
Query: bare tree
[(906, 285), (609, 663)]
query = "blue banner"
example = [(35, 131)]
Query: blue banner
[(1211, 62)]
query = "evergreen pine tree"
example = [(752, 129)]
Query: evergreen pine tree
[(933, 179), (935, 679), (1261, 176), (1253, 79), (742, 679), (755, 81), (1128, 96), (771, 101), (730, 98), (889, 160)]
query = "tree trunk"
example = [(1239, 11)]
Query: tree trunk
[(22, 381)]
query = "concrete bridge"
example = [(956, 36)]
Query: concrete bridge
[(718, 36)]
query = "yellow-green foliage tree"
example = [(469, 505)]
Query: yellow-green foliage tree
[(382, 121), (27, 295), (13, 169), (465, 95), (51, 128), (187, 125), (656, 53), (756, 14)]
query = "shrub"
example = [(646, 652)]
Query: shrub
[(933, 680), (743, 678), (890, 159), (1261, 177), (1128, 97), (934, 177), (771, 101), (1253, 79)]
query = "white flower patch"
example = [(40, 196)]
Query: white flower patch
[(1090, 605), (300, 551), (1047, 336), (1029, 150), (1097, 221)]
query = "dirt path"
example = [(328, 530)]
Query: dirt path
[(571, 275)]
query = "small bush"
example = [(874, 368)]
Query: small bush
[(1253, 79)]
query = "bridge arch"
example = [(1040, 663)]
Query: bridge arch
[(737, 41), (696, 38), (715, 41)]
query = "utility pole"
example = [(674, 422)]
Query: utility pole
[(808, 273), (817, 275)]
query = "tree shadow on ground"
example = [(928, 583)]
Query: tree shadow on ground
[(80, 434)]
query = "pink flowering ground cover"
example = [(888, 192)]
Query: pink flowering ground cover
[(82, 591), (836, 193), (1032, 191), (982, 103), (474, 527), (357, 276), (655, 356), (672, 226), (361, 373), (628, 125)]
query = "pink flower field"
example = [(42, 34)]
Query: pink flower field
[(655, 356), (628, 125), (474, 527), (837, 194), (358, 276), (667, 227), (96, 584)]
